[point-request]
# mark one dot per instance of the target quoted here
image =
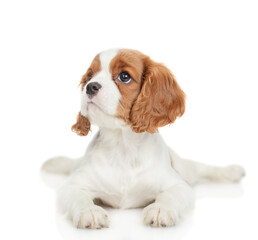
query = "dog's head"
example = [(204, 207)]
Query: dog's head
[(125, 87)]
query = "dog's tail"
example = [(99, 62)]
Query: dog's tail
[(195, 172), (60, 165)]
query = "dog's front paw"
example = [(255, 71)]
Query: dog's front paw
[(155, 215), (93, 217)]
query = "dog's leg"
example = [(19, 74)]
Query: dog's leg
[(169, 206), (60, 165), (194, 172), (77, 202)]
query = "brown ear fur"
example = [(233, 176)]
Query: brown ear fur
[(82, 125), (160, 101)]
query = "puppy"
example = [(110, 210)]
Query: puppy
[(128, 165)]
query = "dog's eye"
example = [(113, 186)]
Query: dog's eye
[(124, 77), (90, 75)]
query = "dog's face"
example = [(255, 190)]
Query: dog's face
[(125, 87)]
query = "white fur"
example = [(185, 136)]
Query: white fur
[(101, 109), (108, 96), (128, 170)]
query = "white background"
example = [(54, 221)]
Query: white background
[(211, 46)]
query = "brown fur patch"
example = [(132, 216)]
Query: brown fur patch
[(160, 101), (94, 68), (131, 62), (82, 125), (153, 98)]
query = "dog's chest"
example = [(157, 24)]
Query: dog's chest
[(124, 171), (127, 189), (121, 180)]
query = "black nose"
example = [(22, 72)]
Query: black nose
[(92, 88)]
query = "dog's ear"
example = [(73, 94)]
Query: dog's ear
[(82, 125), (160, 101)]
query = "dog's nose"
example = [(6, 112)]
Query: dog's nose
[(92, 88)]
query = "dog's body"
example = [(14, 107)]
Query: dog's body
[(127, 164)]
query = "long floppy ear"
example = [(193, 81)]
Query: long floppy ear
[(160, 101), (82, 125)]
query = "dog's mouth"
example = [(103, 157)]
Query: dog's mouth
[(91, 103)]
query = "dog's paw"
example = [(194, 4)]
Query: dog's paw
[(155, 215), (93, 217), (232, 173)]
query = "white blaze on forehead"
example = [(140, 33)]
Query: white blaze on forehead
[(106, 57), (109, 94)]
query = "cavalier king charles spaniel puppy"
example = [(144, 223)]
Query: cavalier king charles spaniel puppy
[(128, 164)]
